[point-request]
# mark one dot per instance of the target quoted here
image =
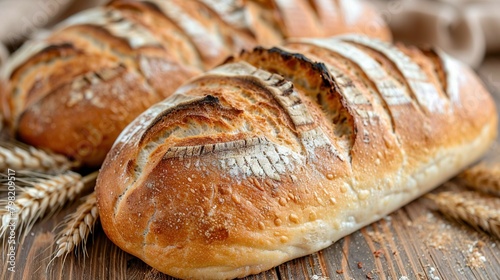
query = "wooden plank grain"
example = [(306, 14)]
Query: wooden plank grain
[(415, 242)]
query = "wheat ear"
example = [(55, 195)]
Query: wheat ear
[(478, 210), (18, 156), (41, 196), (483, 178), (77, 227)]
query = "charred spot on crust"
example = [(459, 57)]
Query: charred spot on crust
[(208, 100), (131, 166), (60, 48), (230, 59), (317, 67)]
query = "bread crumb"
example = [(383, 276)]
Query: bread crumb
[(339, 271), (360, 265), (475, 258), (431, 273), (376, 237), (377, 253), (439, 240), (436, 233), (319, 277)]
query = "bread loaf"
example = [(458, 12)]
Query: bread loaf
[(279, 152), (74, 91)]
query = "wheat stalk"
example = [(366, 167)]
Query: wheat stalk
[(41, 196), (18, 156), (483, 178), (478, 210), (77, 227)]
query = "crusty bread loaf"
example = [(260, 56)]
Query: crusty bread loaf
[(280, 152), (74, 91)]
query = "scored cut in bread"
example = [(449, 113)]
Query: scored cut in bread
[(74, 91), (279, 152)]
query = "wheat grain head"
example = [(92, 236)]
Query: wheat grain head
[(481, 211), (18, 156), (41, 195), (483, 178), (77, 227)]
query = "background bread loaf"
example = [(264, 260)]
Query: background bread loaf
[(74, 91), (279, 152)]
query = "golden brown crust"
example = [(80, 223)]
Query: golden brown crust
[(46, 124), (159, 44), (281, 151)]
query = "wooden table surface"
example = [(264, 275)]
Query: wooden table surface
[(415, 242)]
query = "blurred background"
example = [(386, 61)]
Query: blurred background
[(467, 29), (22, 19)]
